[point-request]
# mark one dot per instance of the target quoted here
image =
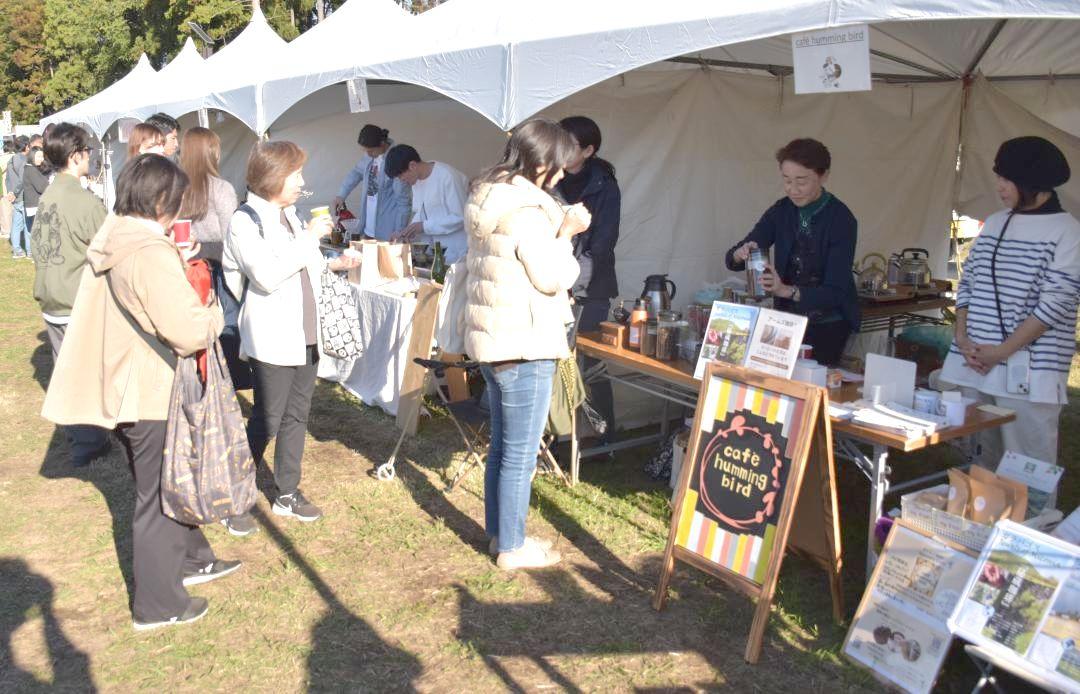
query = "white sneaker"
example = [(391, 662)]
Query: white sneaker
[(529, 556), (493, 544)]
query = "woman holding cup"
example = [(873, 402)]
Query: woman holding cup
[(521, 267), (812, 235), (210, 201), (273, 263)]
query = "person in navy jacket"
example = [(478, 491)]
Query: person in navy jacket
[(591, 181), (813, 237)]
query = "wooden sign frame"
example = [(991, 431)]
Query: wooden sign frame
[(814, 502)]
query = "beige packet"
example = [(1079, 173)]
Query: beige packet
[(959, 492), (1016, 492), (989, 501)]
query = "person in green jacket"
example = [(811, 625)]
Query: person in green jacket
[(68, 217)]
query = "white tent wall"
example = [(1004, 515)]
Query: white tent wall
[(695, 157), (993, 116), (1056, 101), (440, 129)]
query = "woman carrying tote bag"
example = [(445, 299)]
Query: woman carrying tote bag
[(273, 263), (134, 315)]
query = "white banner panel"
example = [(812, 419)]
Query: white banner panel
[(832, 60)]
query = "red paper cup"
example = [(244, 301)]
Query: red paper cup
[(181, 230)]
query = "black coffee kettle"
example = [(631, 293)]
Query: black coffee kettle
[(657, 293)]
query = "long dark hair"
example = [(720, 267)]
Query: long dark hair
[(536, 144), (586, 132), (199, 159)]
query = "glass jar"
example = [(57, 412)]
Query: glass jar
[(648, 338), (668, 325)]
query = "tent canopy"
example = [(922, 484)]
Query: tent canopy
[(126, 88), (510, 60), (136, 101), (224, 80)]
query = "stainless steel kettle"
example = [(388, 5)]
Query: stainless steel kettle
[(657, 293), (915, 267)]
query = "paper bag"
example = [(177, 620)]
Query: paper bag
[(366, 274), (395, 260)]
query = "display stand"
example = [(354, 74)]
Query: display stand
[(741, 490), (423, 332)]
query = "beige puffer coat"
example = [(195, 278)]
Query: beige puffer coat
[(519, 274)]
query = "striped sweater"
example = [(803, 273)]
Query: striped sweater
[(1038, 274)]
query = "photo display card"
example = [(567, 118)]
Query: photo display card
[(761, 339), (776, 342), (899, 631), (1022, 603), (727, 335)]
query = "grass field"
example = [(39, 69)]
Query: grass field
[(393, 590)]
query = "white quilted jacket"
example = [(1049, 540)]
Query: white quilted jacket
[(519, 274)]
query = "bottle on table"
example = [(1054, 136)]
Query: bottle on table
[(638, 317), (438, 265)]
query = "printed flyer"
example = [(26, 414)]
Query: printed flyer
[(774, 347), (1023, 602), (900, 629), (1057, 645), (727, 335), (898, 645), (1041, 478)]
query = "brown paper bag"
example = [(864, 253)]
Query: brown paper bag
[(959, 491), (395, 260), (366, 274), (1016, 492)]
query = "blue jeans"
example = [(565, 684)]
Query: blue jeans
[(519, 396), (20, 235)]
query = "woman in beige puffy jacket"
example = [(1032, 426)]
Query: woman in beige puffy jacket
[(521, 267)]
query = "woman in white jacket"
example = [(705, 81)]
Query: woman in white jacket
[(521, 267), (273, 264)]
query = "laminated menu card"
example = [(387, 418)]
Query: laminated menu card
[(899, 631)]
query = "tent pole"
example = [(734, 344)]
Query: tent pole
[(985, 47), (911, 64)]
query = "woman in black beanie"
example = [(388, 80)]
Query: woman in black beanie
[(1016, 303)]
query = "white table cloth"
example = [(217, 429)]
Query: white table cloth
[(386, 315)]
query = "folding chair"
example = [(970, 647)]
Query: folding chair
[(471, 419)]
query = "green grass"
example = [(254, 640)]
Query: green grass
[(393, 590)]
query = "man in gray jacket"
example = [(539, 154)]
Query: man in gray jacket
[(13, 183)]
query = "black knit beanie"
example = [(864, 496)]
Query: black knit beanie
[(1032, 162)]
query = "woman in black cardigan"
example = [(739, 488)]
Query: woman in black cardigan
[(813, 235)]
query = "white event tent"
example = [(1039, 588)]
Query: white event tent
[(693, 98)]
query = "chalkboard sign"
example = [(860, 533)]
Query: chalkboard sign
[(751, 440)]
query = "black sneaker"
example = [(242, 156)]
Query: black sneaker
[(213, 570), (241, 526), (297, 506), (195, 611)]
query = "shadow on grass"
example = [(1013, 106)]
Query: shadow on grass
[(346, 653), (112, 477), (26, 596), (41, 360)]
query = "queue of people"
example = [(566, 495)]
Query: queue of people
[(536, 231)]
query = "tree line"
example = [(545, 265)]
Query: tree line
[(55, 53)]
